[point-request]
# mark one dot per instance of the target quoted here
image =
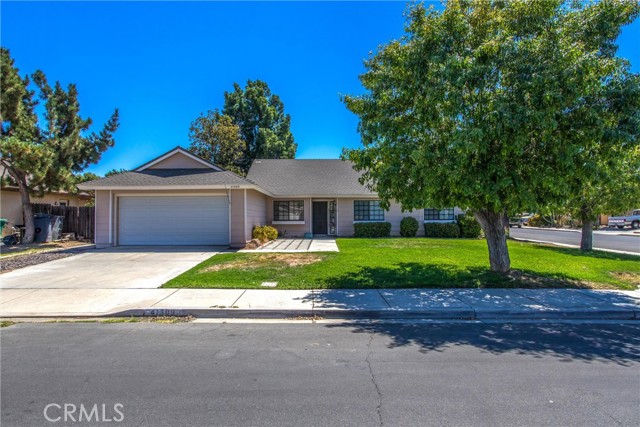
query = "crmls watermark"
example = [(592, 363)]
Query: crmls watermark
[(70, 412)]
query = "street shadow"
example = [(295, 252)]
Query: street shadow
[(618, 344)]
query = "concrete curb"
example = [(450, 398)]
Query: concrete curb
[(573, 230), (436, 314), (565, 245)]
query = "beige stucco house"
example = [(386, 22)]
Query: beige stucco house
[(11, 203), (182, 199)]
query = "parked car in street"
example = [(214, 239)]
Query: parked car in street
[(515, 222), (632, 220)]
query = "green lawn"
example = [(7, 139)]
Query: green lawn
[(419, 262)]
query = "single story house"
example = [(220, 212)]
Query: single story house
[(11, 202), (182, 199)]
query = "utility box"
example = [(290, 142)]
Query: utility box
[(48, 227)]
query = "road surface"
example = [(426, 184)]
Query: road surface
[(601, 239), (332, 374)]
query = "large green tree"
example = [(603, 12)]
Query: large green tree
[(44, 157), (605, 176), (264, 126), (216, 138), (471, 107)]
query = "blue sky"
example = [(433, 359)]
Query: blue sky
[(162, 64)]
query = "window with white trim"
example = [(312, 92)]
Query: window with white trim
[(288, 210), (367, 210), (431, 214)]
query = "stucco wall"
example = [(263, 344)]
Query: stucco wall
[(256, 211), (178, 161), (11, 204), (292, 230), (238, 238), (394, 215), (102, 219)]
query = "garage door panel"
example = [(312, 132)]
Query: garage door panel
[(192, 220)]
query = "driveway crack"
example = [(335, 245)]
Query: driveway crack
[(373, 380)]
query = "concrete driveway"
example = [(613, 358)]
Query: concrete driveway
[(127, 267)]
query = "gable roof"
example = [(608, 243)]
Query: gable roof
[(289, 177), (168, 178), (179, 150)]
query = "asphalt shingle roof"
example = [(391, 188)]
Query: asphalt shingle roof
[(287, 177), (168, 177)]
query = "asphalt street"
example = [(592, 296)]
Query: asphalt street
[(601, 240), (321, 374)]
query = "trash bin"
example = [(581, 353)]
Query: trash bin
[(48, 227)]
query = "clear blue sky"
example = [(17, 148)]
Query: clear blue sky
[(162, 64)]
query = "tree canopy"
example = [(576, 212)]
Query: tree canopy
[(45, 157), (252, 125), (216, 138), (477, 106), (265, 127)]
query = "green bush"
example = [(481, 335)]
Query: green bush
[(469, 226), (372, 229), (264, 233), (438, 229), (409, 226)]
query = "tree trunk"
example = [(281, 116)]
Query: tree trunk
[(27, 212), (586, 237), (493, 224)]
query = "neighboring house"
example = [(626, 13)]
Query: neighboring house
[(182, 199), (11, 203)]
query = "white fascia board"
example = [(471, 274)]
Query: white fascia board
[(172, 187)]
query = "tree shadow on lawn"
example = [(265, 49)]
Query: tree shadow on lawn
[(421, 275), (597, 254), (618, 344)]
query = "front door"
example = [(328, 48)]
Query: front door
[(319, 217)]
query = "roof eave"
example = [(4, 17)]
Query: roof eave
[(174, 187)]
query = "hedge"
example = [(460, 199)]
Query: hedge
[(469, 226), (437, 229), (372, 229), (409, 226)]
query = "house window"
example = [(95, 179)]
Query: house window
[(439, 214), (367, 210), (288, 210)]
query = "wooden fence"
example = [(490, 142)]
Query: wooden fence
[(79, 220)]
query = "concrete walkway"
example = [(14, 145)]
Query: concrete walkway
[(507, 304), (318, 244)]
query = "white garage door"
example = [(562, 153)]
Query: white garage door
[(194, 220)]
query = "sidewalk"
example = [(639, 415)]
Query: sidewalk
[(326, 303)]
